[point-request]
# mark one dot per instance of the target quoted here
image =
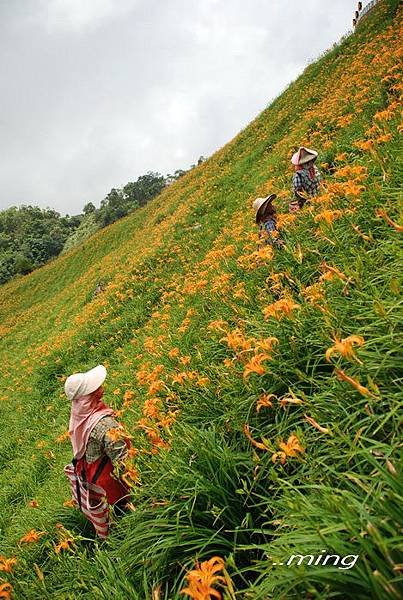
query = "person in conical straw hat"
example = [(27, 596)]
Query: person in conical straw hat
[(98, 441), (266, 218), (307, 177)]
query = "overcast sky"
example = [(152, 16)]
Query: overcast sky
[(95, 93)]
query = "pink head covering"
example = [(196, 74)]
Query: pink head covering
[(86, 411)]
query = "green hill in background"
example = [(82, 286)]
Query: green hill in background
[(261, 386)]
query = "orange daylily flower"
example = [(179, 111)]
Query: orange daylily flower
[(151, 407), (254, 365), (312, 422), (360, 233), (240, 292), (7, 564), (155, 386), (334, 271), (382, 213), (384, 115), (345, 347), (267, 343), (276, 278), (218, 325), (117, 434), (290, 400), (313, 293), (256, 258), (64, 545), (153, 436), (260, 445), (131, 476), (364, 144), (285, 219), (70, 503), (328, 216), (132, 452), (201, 579), (168, 419), (382, 139), (63, 437), (356, 384), (344, 120), (237, 341), (128, 397), (179, 378), (281, 308), (264, 401), (352, 189), (292, 447), (33, 504), (32, 536), (6, 591), (356, 171)]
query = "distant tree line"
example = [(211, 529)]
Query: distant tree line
[(31, 236)]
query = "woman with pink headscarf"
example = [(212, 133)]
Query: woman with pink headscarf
[(307, 177), (96, 449)]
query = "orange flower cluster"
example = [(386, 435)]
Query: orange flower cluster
[(266, 400), (6, 590), (256, 259), (32, 536), (291, 448), (328, 216), (254, 365), (331, 272), (314, 293), (200, 581), (242, 346), (281, 309), (345, 347), (7, 564)]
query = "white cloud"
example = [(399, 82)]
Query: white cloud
[(80, 15)]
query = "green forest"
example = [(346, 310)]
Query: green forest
[(31, 236)]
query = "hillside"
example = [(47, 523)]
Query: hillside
[(253, 440)]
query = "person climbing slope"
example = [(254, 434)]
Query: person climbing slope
[(306, 179), (96, 437)]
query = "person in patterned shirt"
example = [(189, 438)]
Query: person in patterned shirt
[(307, 177), (98, 441)]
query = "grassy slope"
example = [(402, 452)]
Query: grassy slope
[(204, 290)]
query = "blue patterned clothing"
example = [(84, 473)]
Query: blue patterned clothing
[(268, 228), (270, 225)]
